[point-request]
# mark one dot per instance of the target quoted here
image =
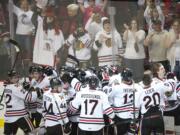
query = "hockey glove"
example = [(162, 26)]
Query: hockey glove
[(98, 44), (168, 93), (26, 85)]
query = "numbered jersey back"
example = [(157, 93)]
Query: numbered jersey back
[(122, 99), (93, 105), (151, 97), (15, 97)]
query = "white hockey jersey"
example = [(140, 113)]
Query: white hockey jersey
[(80, 48), (77, 85), (121, 98), (171, 101), (151, 96), (69, 95), (106, 51), (178, 90), (52, 115), (43, 84), (15, 96), (93, 105), (115, 79)]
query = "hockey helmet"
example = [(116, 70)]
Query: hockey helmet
[(93, 82), (31, 68), (38, 69), (55, 82), (48, 70), (126, 74)]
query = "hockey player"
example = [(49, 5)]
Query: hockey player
[(55, 107), (158, 71), (39, 81), (16, 115), (104, 45), (122, 99), (172, 107), (94, 104), (170, 95), (151, 102), (177, 116), (69, 95)]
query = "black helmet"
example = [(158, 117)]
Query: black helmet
[(93, 82), (55, 82), (126, 74), (37, 69), (31, 68), (48, 70), (66, 78), (12, 73)]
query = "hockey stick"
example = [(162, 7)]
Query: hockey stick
[(59, 113), (13, 42), (74, 58), (134, 110)]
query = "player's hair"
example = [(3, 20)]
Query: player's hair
[(155, 69), (147, 79)]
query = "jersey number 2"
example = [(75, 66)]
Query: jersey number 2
[(8, 100), (91, 101)]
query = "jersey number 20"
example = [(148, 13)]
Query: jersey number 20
[(155, 99)]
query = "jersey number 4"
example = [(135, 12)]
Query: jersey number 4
[(91, 101)]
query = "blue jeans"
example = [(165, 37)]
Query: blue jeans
[(25, 44)]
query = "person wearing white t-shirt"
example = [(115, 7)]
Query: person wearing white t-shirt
[(134, 53), (24, 30), (24, 25)]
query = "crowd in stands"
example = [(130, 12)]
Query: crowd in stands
[(117, 63), (83, 31)]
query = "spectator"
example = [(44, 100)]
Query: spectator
[(108, 54), (24, 31), (49, 39), (101, 3), (174, 44), (93, 26), (153, 12), (24, 27), (92, 8), (134, 52), (157, 45), (71, 21), (80, 45)]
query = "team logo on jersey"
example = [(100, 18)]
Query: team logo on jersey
[(79, 45), (108, 43)]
